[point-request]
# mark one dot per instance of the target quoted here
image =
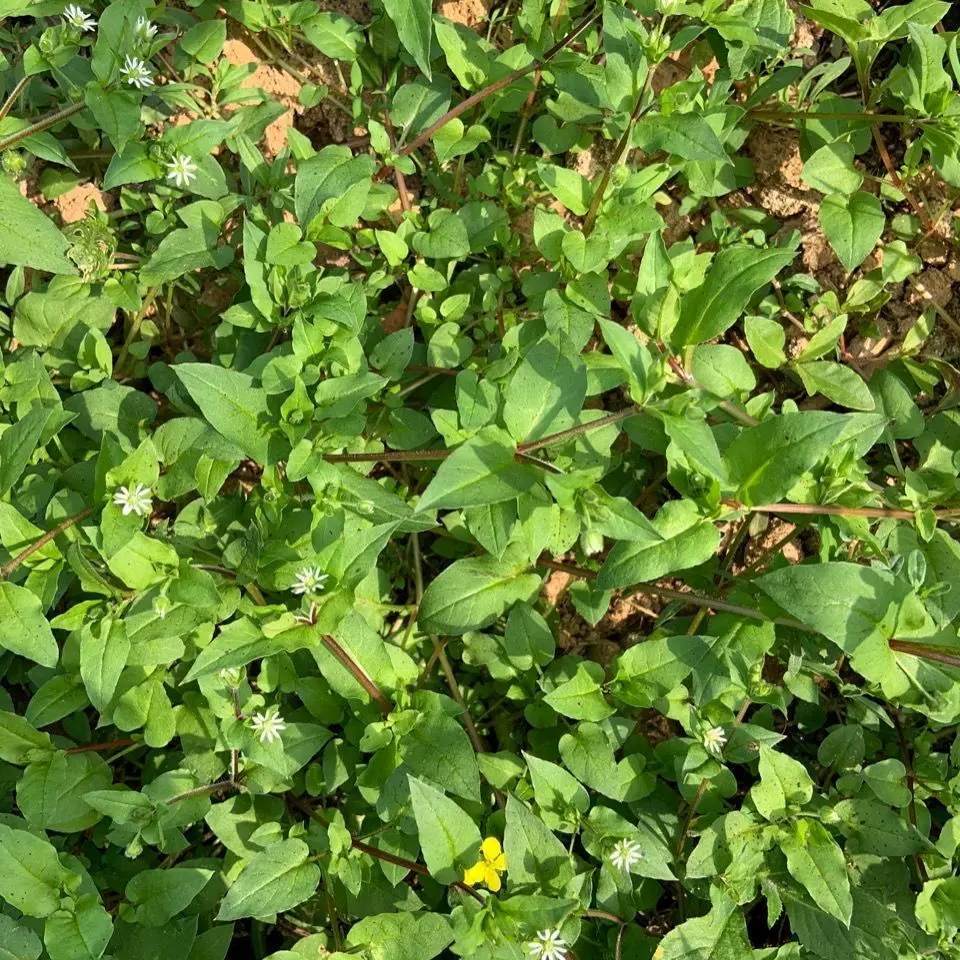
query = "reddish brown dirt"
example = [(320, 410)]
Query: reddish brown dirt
[(471, 13), (73, 205)]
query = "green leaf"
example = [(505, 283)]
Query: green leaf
[(852, 225), (784, 784), (438, 748), (50, 792), (19, 442), (815, 861), (766, 339), (402, 936), (19, 741), (79, 932), (546, 392), (104, 649), (686, 135), (31, 874), (480, 471), (17, 942), (830, 169), (571, 189), (159, 895), (28, 237), (117, 113), (449, 838), (534, 854), (580, 697), (204, 40), (231, 405), (471, 593), (588, 754), (838, 383), (334, 182), (414, 22), (736, 275), (447, 238), (335, 35), (278, 878), (765, 461), (719, 935), (678, 538), (23, 627)]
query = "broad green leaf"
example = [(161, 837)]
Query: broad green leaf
[(686, 135), (23, 627), (414, 22), (278, 878), (719, 935), (784, 784), (27, 236), (50, 792), (31, 874), (875, 828), (534, 854), (117, 113), (448, 836), (446, 239), (852, 225), (159, 895), (677, 540), (482, 470), (57, 698), (104, 649), (79, 932), (402, 936), (334, 35), (20, 742), (580, 697), (438, 749), (559, 795), (653, 667), (546, 392), (588, 754), (736, 275), (816, 861), (838, 383), (231, 404), (830, 169), (571, 189), (765, 461), (471, 593), (17, 942), (767, 340), (334, 182), (19, 442)]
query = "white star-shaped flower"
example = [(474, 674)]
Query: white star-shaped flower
[(136, 501), (78, 17), (182, 170), (548, 945), (269, 725), (145, 29), (714, 740), (309, 580), (625, 854), (137, 72)]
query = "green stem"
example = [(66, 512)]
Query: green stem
[(42, 124)]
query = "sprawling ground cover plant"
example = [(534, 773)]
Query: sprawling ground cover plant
[(479, 483)]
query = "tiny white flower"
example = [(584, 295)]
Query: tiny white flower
[(78, 17), (714, 741), (145, 29), (136, 501), (269, 725), (548, 945), (182, 170), (309, 580), (137, 73), (625, 854)]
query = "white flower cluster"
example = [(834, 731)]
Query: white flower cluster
[(548, 945), (136, 501)]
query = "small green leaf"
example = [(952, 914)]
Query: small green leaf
[(414, 22), (23, 627), (852, 225), (278, 878), (449, 838)]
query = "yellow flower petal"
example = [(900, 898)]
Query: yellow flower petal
[(499, 863), (475, 874), (492, 879), (490, 848)]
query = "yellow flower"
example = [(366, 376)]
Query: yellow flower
[(487, 870)]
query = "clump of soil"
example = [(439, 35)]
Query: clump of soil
[(471, 13), (277, 84), (74, 204)]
